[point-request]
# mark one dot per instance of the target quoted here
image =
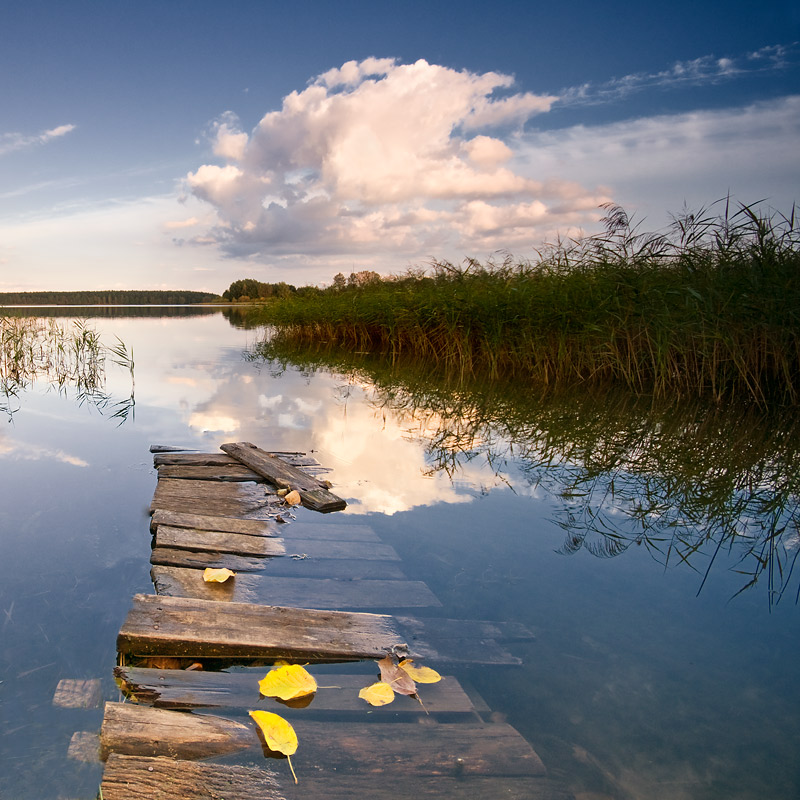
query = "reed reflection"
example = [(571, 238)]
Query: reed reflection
[(694, 484)]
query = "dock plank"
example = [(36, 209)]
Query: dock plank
[(247, 545), (210, 497), (320, 593), (214, 522), (160, 778), (219, 541), (283, 567), (142, 778), (182, 689), (230, 472), (378, 749), (314, 493), (175, 626)]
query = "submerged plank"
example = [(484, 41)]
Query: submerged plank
[(160, 778), (247, 545), (285, 567), (340, 531), (321, 593), (387, 750), (218, 541), (211, 522), (182, 689), (174, 626), (430, 628), (314, 493)]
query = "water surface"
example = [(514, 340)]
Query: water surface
[(640, 683)]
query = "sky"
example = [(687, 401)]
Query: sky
[(185, 144)]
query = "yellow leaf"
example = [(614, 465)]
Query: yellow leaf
[(419, 674), (293, 498), (278, 734), (287, 682), (379, 694), (211, 575)]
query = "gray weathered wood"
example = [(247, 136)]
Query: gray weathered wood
[(141, 730), (314, 493), (168, 448), (284, 567), (175, 626), (378, 749), (339, 531), (211, 522), (231, 472), (210, 497), (143, 778), (193, 459), (321, 593), (247, 545), (182, 689), (218, 541)]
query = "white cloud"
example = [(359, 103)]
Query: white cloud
[(377, 157), (11, 142)]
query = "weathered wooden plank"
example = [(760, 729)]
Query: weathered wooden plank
[(210, 497), (210, 522), (378, 749), (142, 778), (314, 493), (322, 593), (246, 545), (182, 689), (195, 459), (175, 626), (168, 448), (218, 541), (141, 730), (154, 778), (231, 472), (284, 567)]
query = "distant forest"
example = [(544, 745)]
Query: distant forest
[(99, 298)]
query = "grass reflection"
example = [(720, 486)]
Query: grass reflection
[(688, 481), (64, 356)]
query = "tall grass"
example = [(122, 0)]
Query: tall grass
[(62, 357), (710, 308)]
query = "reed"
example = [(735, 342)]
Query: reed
[(709, 308)]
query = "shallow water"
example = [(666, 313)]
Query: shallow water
[(635, 687)]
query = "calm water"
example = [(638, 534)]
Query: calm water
[(636, 686)]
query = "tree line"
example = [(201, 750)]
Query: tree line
[(106, 297)]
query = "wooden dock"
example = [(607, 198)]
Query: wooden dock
[(329, 596)]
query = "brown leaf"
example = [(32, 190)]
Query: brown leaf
[(397, 678)]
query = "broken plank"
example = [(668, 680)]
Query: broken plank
[(77, 693), (141, 730), (379, 749), (174, 626), (218, 541), (231, 472), (143, 778), (320, 593), (314, 493), (286, 567), (193, 459), (209, 497), (209, 522), (182, 689)]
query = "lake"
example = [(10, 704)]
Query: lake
[(649, 548)]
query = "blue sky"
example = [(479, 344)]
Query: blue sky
[(188, 144)]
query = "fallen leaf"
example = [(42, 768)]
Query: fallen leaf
[(293, 498), (211, 575), (419, 674), (379, 694), (282, 492), (287, 682), (397, 678), (278, 734)]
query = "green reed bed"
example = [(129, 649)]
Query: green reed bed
[(710, 308)]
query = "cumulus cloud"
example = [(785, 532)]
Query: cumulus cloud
[(376, 157), (11, 142)]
